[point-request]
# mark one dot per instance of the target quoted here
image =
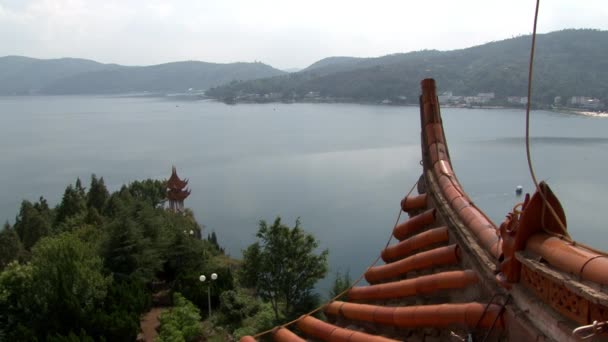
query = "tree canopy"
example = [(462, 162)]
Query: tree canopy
[(86, 269), (283, 267), (180, 323)]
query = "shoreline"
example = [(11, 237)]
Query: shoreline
[(564, 110), (582, 112), (561, 110), (200, 97)]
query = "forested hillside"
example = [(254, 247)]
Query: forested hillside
[(30, 76), (568, 63), (163, 78), (87, 268)]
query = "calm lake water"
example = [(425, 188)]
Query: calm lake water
[(342, 168)]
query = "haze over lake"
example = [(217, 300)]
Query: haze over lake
[(342, 168)]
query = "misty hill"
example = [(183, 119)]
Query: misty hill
[(334, 64), (568, 63), (24, 76)]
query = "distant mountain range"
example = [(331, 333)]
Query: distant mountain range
[(30, 76), (568, 63)]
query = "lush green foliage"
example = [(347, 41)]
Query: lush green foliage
[(341, 284), (16, 302), (98, 194), (283, 267), (212, 238), (73, 203), (59, 290), (181, 322), (86, 268), (262, 320), (568, 63), (150, 190), (11, 246), (243, 314), (33, 222)]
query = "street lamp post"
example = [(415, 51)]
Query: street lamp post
[(202, 278)]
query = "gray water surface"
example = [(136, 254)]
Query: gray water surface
[(342, 168)]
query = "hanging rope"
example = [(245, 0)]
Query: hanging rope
[(350, 287), (502, 309), (528, 153)]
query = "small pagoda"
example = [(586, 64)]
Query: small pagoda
[(176, 191)]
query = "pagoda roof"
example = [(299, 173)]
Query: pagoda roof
[(178, 195), (174, 182)]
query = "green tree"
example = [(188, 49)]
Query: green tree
[(73, 203), (58, 292), (71, 223), (33, 222), (235, 306), (117, 203), (149, 190), (185, 255), (188, 258), (98, 193), (283, 267), (262, 320), (341, 284), (181, 322), (79, 188), (68, 284), (17, 305), (10, 245), (93, 261), (127, 253), (118, 319), (93, 217), (212, 238)]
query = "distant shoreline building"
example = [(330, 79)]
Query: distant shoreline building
[(519, 100), (585, 102), (177, 191), (448, 97), (481, 98)]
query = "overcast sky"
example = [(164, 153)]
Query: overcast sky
[(283, 33)]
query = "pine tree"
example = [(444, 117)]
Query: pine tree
[(72, 203), (341, 284), (79, 187), (98, 193), (32, 223), (128, 254)]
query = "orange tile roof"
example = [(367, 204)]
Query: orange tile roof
[(453, 273), (174, 182)]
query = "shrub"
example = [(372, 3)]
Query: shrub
[(180, 323)]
